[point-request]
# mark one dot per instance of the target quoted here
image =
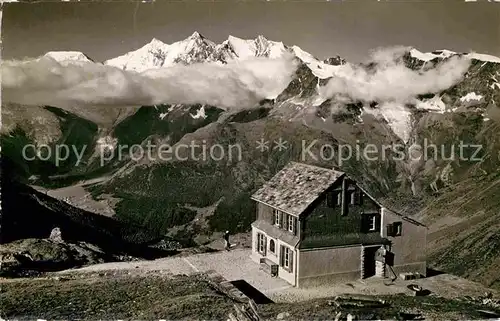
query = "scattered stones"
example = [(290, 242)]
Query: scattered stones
[(491, 302), (348, 302), (167, 245), (282, 315), (486, 300)]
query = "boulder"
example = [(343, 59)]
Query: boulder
[(55, 235)]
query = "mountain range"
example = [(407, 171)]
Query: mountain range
[(401, 96)]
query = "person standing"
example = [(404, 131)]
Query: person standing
[(227, 245)]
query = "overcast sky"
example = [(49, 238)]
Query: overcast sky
[(348, 29)]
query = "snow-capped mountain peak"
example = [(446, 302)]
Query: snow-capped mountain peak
[(155, 54), (62, 56), (148, 56), (319, 68), (196, 34), (258, 47), (196, 48), (444, 53), (155, 43)]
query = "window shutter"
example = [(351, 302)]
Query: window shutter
[(361, 197), (282, 256), (397, 229), (355, 196), (364, 223), (339, 198), (285, 223), (265, 246), (377, 223), (295, 221), (257, 242), (291, 261), (390, 230), (329, 199)]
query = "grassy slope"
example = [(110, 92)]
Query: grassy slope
[(112, 298), (468, 203), (470, 245), (27, 213)]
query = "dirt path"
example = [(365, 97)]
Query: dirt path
[(232, 265)]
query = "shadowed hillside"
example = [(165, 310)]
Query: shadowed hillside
[(29, 214)]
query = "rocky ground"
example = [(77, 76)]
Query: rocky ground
[(154, 296), (29, 257)]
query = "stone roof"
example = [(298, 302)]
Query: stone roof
[(296, 186)]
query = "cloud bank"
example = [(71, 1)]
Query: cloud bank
[(45, 81), (388, 79)]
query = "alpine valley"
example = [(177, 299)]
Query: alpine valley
[(192, 200)]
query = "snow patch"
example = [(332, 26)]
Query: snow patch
[(435, 104), (200, 113), (471, 96), (427, 56), (107, 144), (397, 116), (318, 100), (170, 108), (484, 57)]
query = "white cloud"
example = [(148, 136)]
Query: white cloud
[(390, 80), (44, 81)]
